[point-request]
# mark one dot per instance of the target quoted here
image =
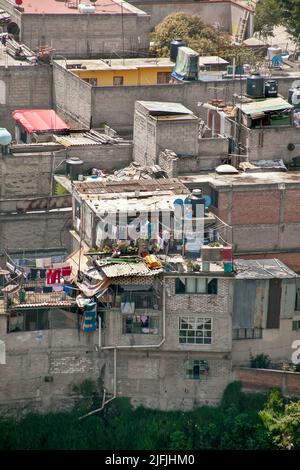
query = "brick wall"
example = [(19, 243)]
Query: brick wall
[(168, 161), (264, 379)]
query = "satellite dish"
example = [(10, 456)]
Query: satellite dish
[(13, 28)]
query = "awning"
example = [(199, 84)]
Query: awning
[(40, 120), (256, 108)]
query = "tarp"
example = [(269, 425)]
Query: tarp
[(186, 64), (263, 106), (40, 120)]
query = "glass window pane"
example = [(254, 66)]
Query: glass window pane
[(190, 285), (201, 285)]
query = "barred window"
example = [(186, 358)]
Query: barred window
[(140, 324), (195, 330), (196, 285), (247, 333), (197, 369)]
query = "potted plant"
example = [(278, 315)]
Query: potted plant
[(123, 247)]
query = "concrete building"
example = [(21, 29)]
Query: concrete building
[(169, 334), (109, 27), (171, 126), (115, 105), (117, 72)]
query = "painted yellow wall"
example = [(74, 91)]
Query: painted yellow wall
[(141, 76)]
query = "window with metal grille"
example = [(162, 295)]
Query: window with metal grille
[(196, 285), (247, 333), (197, 369), (296, 325), (140, 324), (195, 330)]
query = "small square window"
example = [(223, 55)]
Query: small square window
[(118, 80)]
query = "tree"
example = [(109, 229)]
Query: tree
[(267, 15), (290, 11), (200, 36), (282, 421), (270, 13)]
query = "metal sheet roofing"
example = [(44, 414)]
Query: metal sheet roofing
[(262, 269), (40, 120), (158, 107), (212, 60), (129, 269), (269, 104)]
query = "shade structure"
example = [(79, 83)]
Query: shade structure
[(40, 120)]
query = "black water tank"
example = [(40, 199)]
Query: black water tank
[(271, 89), (196, 199), (256, 86), (73, 167), (175, 44)]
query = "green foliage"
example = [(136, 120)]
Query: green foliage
[(60, 190), (270, 13), (235, 424), (179, 441), (282, 421), (267, 15), (261, 361), (202, 37)]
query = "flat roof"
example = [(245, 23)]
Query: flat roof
[(212, 60), (262, 269), (156, 108), (40, 120), (260, 106), (115, 64), (243, 178), (110, 189), (54, 7)]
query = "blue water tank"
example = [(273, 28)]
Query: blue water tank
[(256, 86), (175, 44), (5, 136)]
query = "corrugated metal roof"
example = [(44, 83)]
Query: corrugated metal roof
[(269, 104), (212, 60), (158, 107), (62, 303), (77, 139), (129, 269), (262, 269)]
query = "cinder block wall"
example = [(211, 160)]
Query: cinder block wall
[(24, 87)]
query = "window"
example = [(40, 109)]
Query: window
[(247, 333), (214, 198), (196, 285), (296, 325), (140, 324), (195, 330), (91, 81), (163, 77), (197, 369), (118, 80)]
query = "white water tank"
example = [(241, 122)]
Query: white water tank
[(83, 8)]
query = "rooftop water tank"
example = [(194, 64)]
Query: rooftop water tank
[(175, 44), (256, 86), (73, 167), (273, 51), (271, 89), (83, 8), (5, 136)]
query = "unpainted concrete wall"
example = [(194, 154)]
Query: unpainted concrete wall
[(24, 87)]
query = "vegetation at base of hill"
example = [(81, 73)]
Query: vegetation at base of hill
[(200, 36), (270, 13), (241, 421)]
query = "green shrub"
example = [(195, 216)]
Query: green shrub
[(261, 361)]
